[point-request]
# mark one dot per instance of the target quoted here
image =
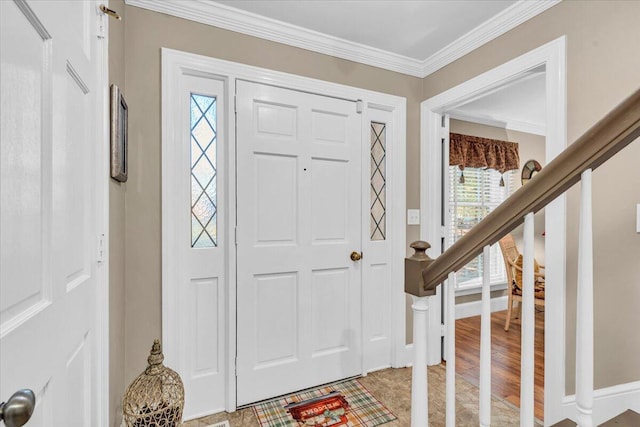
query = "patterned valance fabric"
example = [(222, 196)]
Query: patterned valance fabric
[(475, 152)]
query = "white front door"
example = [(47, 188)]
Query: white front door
[(299, 219), (50, 134)]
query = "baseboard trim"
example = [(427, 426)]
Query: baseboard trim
[(607, 402), (408, 355), (474, 308)]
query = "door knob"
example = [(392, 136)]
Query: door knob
[(18, 409), (356, 256)]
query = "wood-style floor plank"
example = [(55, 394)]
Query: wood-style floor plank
[(505, 357)]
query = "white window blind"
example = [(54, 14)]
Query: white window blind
[(469, 203)]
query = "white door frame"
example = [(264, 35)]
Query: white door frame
[(103, 179), (176, 63), (552, 56)]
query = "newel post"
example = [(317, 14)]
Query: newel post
[(414, 285)]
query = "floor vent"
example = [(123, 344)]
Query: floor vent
[(220, 424)]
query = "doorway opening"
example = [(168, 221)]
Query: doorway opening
[(511, 117), (453, 110)]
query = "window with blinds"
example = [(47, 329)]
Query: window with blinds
[(469, 203)]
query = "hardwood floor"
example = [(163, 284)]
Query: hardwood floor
[(505, 357)]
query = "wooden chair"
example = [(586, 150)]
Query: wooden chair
[(513, 265)]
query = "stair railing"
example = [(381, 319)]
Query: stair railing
[(607, 137)]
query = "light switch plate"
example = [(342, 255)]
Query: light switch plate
[(413, 216)]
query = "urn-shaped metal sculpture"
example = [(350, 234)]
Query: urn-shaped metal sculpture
[(156, 397)]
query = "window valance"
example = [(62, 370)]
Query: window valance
[(467, 151)]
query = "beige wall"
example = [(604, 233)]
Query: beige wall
[(530, 146), (146, 33), (116, 239), (603, 67)]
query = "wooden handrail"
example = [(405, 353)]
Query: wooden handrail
[(611, 134)]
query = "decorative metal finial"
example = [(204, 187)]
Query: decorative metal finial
[(156, 357)]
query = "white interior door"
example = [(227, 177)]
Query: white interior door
[(299, 219), (50, 134)]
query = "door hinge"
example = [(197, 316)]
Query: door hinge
[(235, 234), (359, 106), (443, 128), (101, 31), (235, 103), (444, 134), (443, 231), (100, 254), (443, 330)]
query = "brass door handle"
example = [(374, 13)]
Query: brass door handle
[(18, 409), (356, 256)]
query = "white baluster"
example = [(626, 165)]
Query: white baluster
[(450, 312), (485, 340), (528, 327), (584, 315), (419, 387)]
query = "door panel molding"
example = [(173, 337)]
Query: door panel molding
[(311, 330)]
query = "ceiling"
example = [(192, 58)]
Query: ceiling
[(518, 105), (415, 29)]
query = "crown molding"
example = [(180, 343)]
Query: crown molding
[(500, 122), (505, 21), (229, 18)]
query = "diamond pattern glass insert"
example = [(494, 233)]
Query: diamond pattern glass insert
[(378, 181), (204, 202)]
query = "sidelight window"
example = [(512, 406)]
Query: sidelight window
[(204, 202), (378, 181)]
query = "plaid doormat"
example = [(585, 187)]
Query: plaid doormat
[(346, 404)]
